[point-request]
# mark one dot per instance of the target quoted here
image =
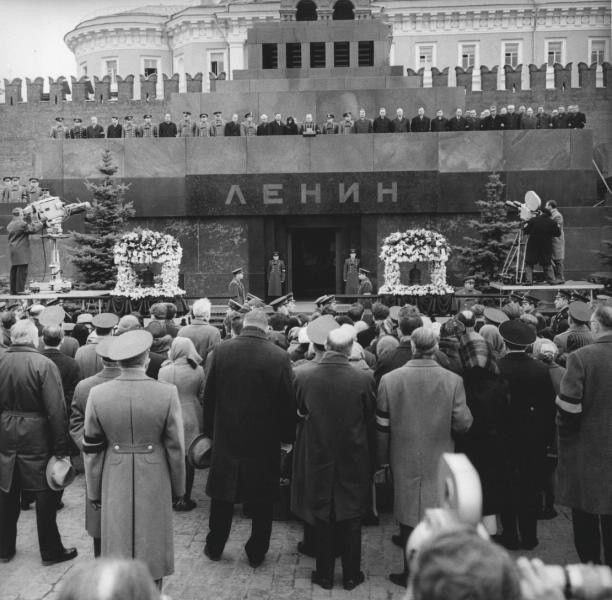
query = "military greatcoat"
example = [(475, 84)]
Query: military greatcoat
[(276, 277), (141, 469), (351, 275)]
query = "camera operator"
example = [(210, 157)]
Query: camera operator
[(19, 230), (542, 229)]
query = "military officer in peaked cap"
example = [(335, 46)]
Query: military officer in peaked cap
[(203, 126), (135, 457), (276, 275), (579, 316), (186, 127), (351, 272), (236, 288), (248, 127), (59, 131), (218, 125), (562, 301), (330, 126), (147, 129), (78, 132), (494, 316), (129, 129), (365, 285), (89, 361), (33, 191), (346, 125)]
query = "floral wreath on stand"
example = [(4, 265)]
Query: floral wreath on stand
[(145, 247), (412, 246)]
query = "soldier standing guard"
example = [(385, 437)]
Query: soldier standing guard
[(203, 126), (129, 129), (78, 132), (276, 275), (147, 129), (33, 191), (186, 128), (248, 127), (59, 131), (236, 287), (365, 285), (218, 125), (16, 192), (562, 302), (330, 126), (351, 273)]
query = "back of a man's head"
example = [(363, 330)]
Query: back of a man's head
[(603, 315), (52, 336), (460, 564), (423, 342), (408, 324), (201, 309), (341, 339), (355, 312), (127, 323), (256, 318), (380, 311), (24, 332), (278, 321)]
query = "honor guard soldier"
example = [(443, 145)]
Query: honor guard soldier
[(185, 127), (365, 285), (59, 131), (33, 191), (203, 126), (15, 193), (114, 130), (6, 189), (236, 287), (248, 127), (346, 125), (326, 304), (147, 129), (562, 302), (351, 273), (78, 132), (276, 275), (330, 127), (468, 289), (129, 129), (218, 125)]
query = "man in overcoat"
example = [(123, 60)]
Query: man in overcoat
[(350, 273), (93, 521), (203, 335), (94, 129), (249, 412), (585, 445), (541, 230), (87, 359), (135, 457), (420, 123), (531, 427), (236, 288), (419, 407), (33, 428), (19, 230), (558, 245), (338, 404), (276, 275)]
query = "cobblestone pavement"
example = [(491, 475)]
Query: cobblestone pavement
[(285, 574)]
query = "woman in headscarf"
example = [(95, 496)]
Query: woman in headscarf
[(491, 334), (183, 370), (485, 444), (448, 344)]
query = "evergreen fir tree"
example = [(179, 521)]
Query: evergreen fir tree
[(104, 224), (484, 256)]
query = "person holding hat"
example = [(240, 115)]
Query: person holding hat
[(167, 128), (217, 128), (276, 127), (530, 426), (134, 457), (350, 273), (330, 127), (236, 288), (250, 414), (248, 128), (78, 132), (338, 405), (413, 435), (94, 129), (59, 131), (87, 358), (186, 127), (114, 130), (33, 429), (147, 129), (184, 369), (203, 126), (129, 129), (346, 125), (579, 315), (19, 230), (469, 290), (276, 275), (585, 445)]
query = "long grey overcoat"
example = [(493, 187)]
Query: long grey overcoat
[(142, 468), (419, 406)]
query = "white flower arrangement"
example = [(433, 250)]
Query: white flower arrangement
[(145, 247), (412, 246)]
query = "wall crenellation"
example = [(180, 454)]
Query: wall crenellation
[(485, 79)]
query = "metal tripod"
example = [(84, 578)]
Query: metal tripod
[(514, 265)]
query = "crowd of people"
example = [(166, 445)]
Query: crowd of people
[(490, 119), (327, 401), (14, 191)]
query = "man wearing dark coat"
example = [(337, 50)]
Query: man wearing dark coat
[(543, 120), (236, 288), (232, 128), (585, 445), (530, 430), (541, 230), (513, 119), (420, 123), (33, 428), (167, 128), (78, 132), (576, 119), (276, 127), (338, 403), (350, 273), (250, 415), (440, 123), (114, 130), (382, 123), (365, 285), (19, 230), (94, 129), (457, 122), (276, 275)]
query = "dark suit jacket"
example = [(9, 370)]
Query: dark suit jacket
[(455, 124), (576, 121), (499, 122), (275, 128), (420, 125), (114, 131), (95, 132), (401, 125), (263, 129), (232, 129), (382, 125), (249, 410), (560, 121), (69, 372), (487, 124), (513, 121), (167, 129), (439, 124)]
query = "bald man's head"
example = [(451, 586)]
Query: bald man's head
[(52, 335)]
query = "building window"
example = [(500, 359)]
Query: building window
[(306, 10), (150, 67), (217, 60), (342, 53), (554, 52), (467, 55), (425, 56), (294, 55), (511, 52), (317, 55), (269, 56), (365, 52), (110, 69), (597, 52)]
